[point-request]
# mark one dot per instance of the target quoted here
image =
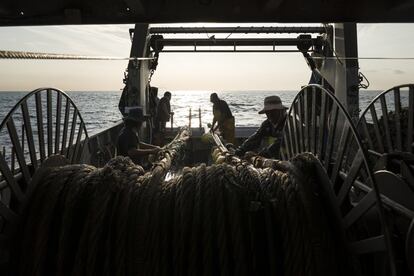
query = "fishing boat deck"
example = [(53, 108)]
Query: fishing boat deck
[(240, 132)]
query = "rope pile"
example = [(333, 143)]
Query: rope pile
[(311, 243), (171, 154), (224, 219)]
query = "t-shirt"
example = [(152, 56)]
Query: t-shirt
[(127, 139), (267, 140), (221, 111)]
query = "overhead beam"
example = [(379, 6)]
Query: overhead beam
[(239, 30), (238, 42)]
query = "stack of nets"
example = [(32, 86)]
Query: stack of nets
[(210, 220)]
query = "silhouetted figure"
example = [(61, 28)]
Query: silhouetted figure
[(153, 104), (129, 143), (223, 117), (268, 138), (163, 112)]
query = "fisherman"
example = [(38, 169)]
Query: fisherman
[(163, 112), (129, 143), (268, 138), (223, 117), (153, 103)]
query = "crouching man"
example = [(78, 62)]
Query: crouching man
[(129, 143), (266, 141)]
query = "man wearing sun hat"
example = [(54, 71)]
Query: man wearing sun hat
[(129, 143), (267, 139)]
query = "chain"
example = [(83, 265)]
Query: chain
[(153, 66), (361, 78)]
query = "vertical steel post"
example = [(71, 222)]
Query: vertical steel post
[(23, 138), (12, 160), (189, 119), (346, 83), (138, 71), (199, 117)]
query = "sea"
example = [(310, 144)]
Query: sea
[(100, 109)]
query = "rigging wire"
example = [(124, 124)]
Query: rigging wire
[(361, 79), (366, 58), (232, 31), (33, 55)]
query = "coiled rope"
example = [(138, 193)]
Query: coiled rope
[(310, 240), (230, 218)]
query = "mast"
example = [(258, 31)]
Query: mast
[(341, 73), (346, 45), (138, 71)]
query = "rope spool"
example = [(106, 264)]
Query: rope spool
[(225, 219), (293, 185)]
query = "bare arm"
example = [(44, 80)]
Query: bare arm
[(213, 124), (147, 146), (141, 152), (214, 119)]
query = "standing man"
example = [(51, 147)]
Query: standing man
[(163, 111), (128, 139), (153, 103), (268, 138), (223, 117)]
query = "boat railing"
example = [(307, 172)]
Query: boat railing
[(190, 118)]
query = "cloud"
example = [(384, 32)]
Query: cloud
[(367, 28), (398, 72), (108, 40)]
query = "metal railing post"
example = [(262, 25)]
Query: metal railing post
[(12, 160), (189, 118), (23, 138), (199, 117)]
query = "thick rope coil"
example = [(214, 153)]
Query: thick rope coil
[(169, 154), (304, 241), (231, 218)]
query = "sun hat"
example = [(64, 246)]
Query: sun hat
[(272, 103)]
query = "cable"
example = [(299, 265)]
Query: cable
[(361, 78), (33, 55), (232, 31), (366, 58)]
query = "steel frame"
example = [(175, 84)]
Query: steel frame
[(233, 44), (238, 30)]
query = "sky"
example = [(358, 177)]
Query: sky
[(195, 71)]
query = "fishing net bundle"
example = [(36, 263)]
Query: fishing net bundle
[(224, 219)]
